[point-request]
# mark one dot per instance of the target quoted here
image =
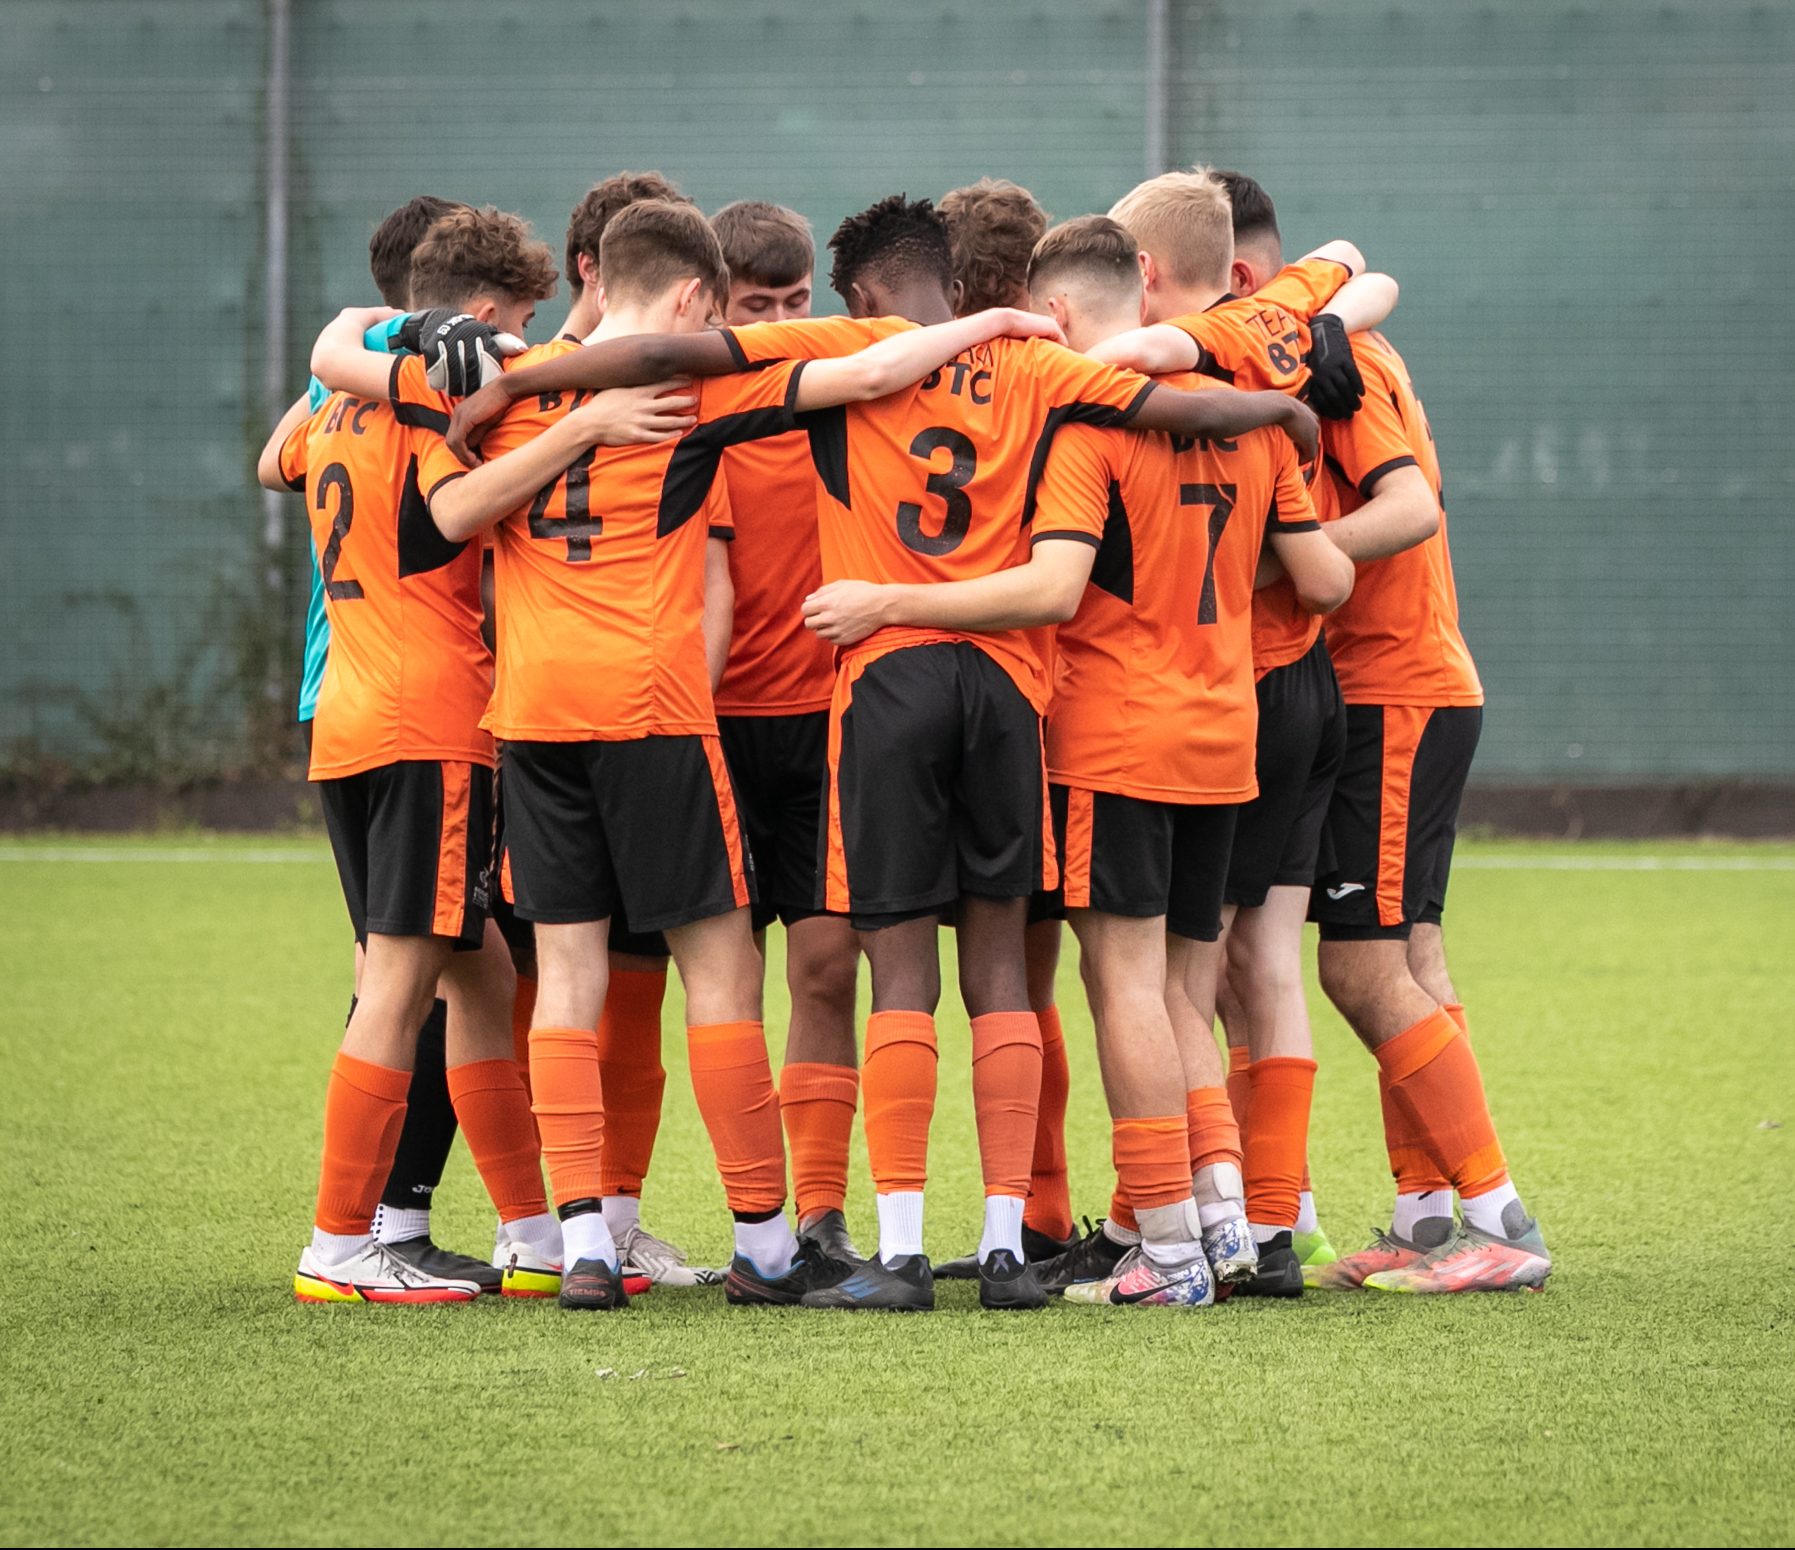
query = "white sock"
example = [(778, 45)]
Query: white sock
[(768, 1246), (1003, 1226), (900, 1224), (1128, 1237), (1410, 1209), (585, 1236), (335, 1247), (1263, 1233), (1306, 1219), (540, 1234), (394, 1224), (622, 1212), (1485, 1212)]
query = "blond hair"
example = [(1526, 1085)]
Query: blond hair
[(1184, 219)]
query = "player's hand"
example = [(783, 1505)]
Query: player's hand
[(460, 353), (1018, 323), (1303, 429), (1335, 387), (843, 612), (627, 417), (474, 416)]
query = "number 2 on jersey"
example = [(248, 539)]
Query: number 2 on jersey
[(1219, 498), (949, 483), (579, 527), (336, 477)]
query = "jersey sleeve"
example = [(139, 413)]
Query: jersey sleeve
[(293, 455), (1374, 441), (1077, 389), (1249, 344), (740, 406), (437, 465), (1072, 500), (1291, 510), (719, 514), (808, 339), (415, 403), (1304, 287)]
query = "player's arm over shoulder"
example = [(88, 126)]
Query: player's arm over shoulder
[(273, 470), (1321, 574)]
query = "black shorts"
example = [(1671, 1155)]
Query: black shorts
[(645, 829), (937, 787), (1125, 856), (520, 934), (1302, 738), (779, 766), (413, 845), (1387, 852)]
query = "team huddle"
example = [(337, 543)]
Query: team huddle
[(1092, 574)]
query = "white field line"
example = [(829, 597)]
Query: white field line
[(1495, 863)]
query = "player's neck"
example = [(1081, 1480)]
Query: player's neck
[(925, 304), (624, 319), (1180, 301), (1086, 333), (582, 317)]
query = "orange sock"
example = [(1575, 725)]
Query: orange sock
[(1006, 1095), (364, 1110), (1456, 1011), (1433, 1080), (897, 1079), (816, 1101), (734, 1086), (493, 1111), (1240, 1090), (1152, 1158), (1278, 1139), (568, 1103), (1214, 1136), (523, 1009), (630, 1071), (1049, 1208), (1121, 1210)]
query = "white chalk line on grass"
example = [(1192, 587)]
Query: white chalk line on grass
[(103, 855)]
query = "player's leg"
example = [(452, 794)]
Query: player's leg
[(1389, 832), (1203, 841), (1047, 1218), (888, 859), (387, 834)]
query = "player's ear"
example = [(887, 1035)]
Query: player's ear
[(692, 296), (956, 293), (484, 310), (1240, 278), (1059, 311), (588, 273), (859, 306), (1149, 271)]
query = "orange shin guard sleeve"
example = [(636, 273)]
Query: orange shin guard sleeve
[(1240, 1089), (816, 1101), (523, 1012), (1152, 1158), (1214, 1136), (1456, 1011), (734, 1086), (1006, 1097), (1434, 1082), (493, 1111), (1049, 1208), (364, 1110), (1277, 1141), (897, 1078), (1121, 1209), (568, 1103), (630, 1070)]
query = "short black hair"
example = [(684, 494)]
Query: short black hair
[(898, 238), (395, 239), (1254, 213)]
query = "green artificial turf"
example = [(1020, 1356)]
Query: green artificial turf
[(169, 1023)]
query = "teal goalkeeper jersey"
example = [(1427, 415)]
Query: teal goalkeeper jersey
[(317, 627)]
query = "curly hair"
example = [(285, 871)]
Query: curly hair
[(396, 238), (994, 225), (469, 253), (897, 238), (586, 226)]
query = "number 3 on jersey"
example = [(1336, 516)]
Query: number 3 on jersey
[(949, 483), (578, 525)]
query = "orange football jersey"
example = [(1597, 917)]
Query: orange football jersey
[(408, 674), (932, 482), (1396, 640), (776, 666), (1261, 343), (1153, 695), (600, 578)]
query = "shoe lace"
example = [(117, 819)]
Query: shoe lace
[(637, 1239), (820, 1266), (391, 1265)]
